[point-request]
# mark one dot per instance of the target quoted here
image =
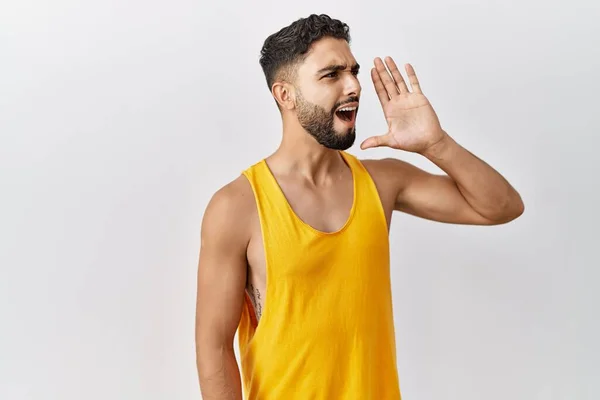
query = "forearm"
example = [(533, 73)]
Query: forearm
[(219, 375), (486, 190)]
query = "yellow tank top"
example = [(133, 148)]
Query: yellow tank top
[(327, 330)]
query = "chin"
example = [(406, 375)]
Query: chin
[(344, 129), (348, 139)]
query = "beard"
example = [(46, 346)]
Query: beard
[(319, 123)]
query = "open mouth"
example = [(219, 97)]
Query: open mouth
[(346, 114)]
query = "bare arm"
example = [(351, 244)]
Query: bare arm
[(221, 284), (483, 188), (471, 193)]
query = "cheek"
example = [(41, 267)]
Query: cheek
[(324, 96), (328, 103)]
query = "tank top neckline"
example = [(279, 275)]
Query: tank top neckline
[(316, 231)]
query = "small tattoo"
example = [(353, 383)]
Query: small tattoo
[(259, 305), (255, 297)]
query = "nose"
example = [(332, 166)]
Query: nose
[(352, 86)]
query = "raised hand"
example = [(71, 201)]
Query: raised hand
[(412, 123)]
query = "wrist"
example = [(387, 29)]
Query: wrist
[(440, 148)]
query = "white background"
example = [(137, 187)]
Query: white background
[(119, 119)]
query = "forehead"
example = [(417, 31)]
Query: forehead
[(327, 51)]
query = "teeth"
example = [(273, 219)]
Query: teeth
[(347, 109)]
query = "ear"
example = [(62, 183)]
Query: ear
[(284, 95)]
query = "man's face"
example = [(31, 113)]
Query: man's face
[(327, 93)]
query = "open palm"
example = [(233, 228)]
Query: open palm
[(412, 123)]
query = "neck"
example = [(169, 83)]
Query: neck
[(299, 153)]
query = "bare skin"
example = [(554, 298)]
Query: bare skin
[(232, 259)]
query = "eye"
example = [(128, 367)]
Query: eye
[(331, 75), (355, 72)]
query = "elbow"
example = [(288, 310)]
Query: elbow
[(520, 208), (516, 205), (511, 209), (504, 210), (210, 359)]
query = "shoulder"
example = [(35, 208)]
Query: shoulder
[(385, 165), (394, 177), (229, 212), (389, 172)]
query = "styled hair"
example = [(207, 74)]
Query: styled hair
[(283, 51)]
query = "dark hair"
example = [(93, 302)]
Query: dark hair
[(283, 50)]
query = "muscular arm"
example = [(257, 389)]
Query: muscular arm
[(221, 284), (471, 192), (483, 188)]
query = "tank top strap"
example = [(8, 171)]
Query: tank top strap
[(269, 197), (368, 202)]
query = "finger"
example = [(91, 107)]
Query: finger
[(396, 75), (412, 78), (388, 82), (375, 141), (379, 88)]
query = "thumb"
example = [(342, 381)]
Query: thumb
[(375, 141)]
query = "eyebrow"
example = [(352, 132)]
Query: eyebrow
[(337, 67)]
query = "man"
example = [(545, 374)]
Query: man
[(294, 252)]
